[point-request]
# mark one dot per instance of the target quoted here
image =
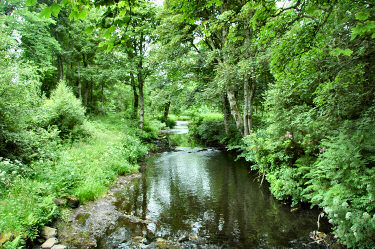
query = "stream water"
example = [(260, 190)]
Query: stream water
[(203, 198)]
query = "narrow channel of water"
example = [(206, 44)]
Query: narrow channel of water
[(202, 198)]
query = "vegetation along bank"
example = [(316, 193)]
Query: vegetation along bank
[(86, 86)]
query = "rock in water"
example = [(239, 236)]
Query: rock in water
[(166, 244), (60, 202), (59, 247), (48, 232), (49, 243), (72, 201)]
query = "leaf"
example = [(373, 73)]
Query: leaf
[(30, 2), (82, 14), (218, 3), (65, 3), (339, 51), (55, 8), (108, 32), (123, 12), (73, 15), (90, 29), (122, 4), (110, 46), (46, 12), (347, 52), (362, 16)]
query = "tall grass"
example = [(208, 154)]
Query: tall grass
[(85, 169)]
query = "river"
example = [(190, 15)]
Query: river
[(203, 198)]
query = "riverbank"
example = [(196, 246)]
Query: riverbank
[(182, 200), (82, 170)]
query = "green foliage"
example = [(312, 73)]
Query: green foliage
[(84, 168), (317, 142), (19, 95), (209, 129), (170, 122), (152, 129), (342, 183), (66, 112)]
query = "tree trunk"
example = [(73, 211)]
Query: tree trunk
[(234, 108), (251, 105), (141, 99), (86, 93), (86, 81), (246, 128), (79, 82), (91, 91), (60, 67), (140, 84), (135, 104), (166, 111), (102, 100), (225, 112)]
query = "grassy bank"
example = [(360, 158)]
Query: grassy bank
[(84, 168)]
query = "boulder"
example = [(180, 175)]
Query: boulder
[(59, 247), (49, 243), (72, 201), (48, 232), (60, 202), (5, 237), (166, 244)]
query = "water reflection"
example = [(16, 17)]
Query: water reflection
[(205, 195), (209, 195)]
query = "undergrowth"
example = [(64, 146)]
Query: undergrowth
[(83, 168)]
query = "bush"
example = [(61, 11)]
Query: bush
[(170, 122), (209, 128), (153, 128), (66, 112), (342, 182)]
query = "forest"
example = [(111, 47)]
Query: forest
[(86, 87)]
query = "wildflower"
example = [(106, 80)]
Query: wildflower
[(347, 216), (289, 135), (366, 215), (322, 149)]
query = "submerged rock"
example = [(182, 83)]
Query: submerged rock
[(164, 244)]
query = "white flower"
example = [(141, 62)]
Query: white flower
[(347, 216), (366, 215), (344, 204)]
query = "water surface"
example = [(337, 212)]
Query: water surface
[(204, 199)]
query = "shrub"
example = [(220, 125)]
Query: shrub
[(342, 182), (170, 122), (209, 128), (133, 149), (153, 128), (66, 112)]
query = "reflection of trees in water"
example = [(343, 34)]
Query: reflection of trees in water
[(233, 210)]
